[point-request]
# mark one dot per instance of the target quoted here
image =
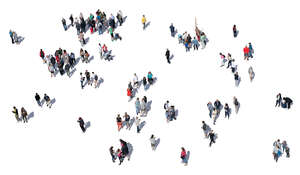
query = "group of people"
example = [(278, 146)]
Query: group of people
[(128, 122), (24, 115), (190, 42), (15, 39), (279, 149), (209, 133), (120, 153), (215, 109), (135, 84), (46, 99), (284, 102), (62, 61), (248, 51), (170, 111), (90, 79)]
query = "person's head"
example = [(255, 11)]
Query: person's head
[(152, 136), (182, 149), (14, 107), (234, 25), (278, 140), (93, 73), (137, 99), (203, 122), (79, 118)]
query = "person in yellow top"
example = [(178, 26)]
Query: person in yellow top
[(144, 22)]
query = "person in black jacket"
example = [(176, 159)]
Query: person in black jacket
[(81, 124), (64, 24), (212, 137), (278, 100), (124, 148), (48, 100), (227, 110), (113, 154), (72, 20), (38, 98), (172, 29), (288, 101), (168, 56)]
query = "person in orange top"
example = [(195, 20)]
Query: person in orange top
[(246, 53)]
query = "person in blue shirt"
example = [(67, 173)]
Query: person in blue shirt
[(150, 77)]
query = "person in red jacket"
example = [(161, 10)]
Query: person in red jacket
[(129, 94), (42, 55), (246, 53), (183, 156)]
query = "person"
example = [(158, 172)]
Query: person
[(212, 137), (135, 81), (81, 124), (88, 77), (120, 17), (86, 56), (166, 106), (38, 98), (227, 111), (215, 115), (42, 55), (51, 69), (210, 109), (276, 153), (137, 106), (144, 82), (129, 94), (143, 107), (24, 115), (110, 30), (195, 43), (205, 128), (172, 113), (251, 73), (95, 79), (72, 20), (11, 36), (144, 22), (119, 122), (124, 148), (64, 24), (168, 56), (223, 58), (81, 38), (278, 100), (235, 32), (172, 29), (183, 156), (48, 100), (288, 102), (137, 123), (236, 79), (82, 78), (120, 156), (15, 111), (251, 51), (236, 104), (150, 78), (153, 142), (286, 149), (246, 53), (113, 154), (127, 120), (100, 51)]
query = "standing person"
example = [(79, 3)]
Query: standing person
[(124, 148), (251, 51), (72, 20), (129, 94), (81, 38), (144, 22), (144, 82), (127, 120), (135, 81), (119, 122), (120, 17), (278, 100), (288, 101), (223, 58), (227, 111), (15, 111), (24, 115), (38, 98), (235, 32), (137, 106), (251, 73), (51, 69), (183, 156), (172, 29), (150, 78), (286, 149), (11, 36), (86, 56), (236, 79), (210, 108), (113, 154), (120, 156), (212, 137), (153, 142), (48, 100), (215, 115), (236, 104), (64, 24), (95, 79), (205, 128), (82, 78), (81, 124), (166, 106), (246, 53), (42, 55), (195, 43), (111, 32), (100, 51), (168, 56), (88, 77), (137, 123)]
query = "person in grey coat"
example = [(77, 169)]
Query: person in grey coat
[(137, 106), (210, 108)]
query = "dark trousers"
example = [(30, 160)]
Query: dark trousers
[(12, 39), (82, 128), (212, 141)]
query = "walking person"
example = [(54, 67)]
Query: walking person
[(144, 20), (251, 51), (278, 100), (236, 79), (11, 36), (150, 78), (88, 77), (195, 43), (48, 100), (127, 120), (38, 98), (81, 124), (210, 109), (168, 56), (251, 73), (235, 32), (183, 156), (15, 111), (82, 78), (113, 154), (246, 53), (64, 24), (120, 156), (42, 55), (205, 128), (72, 20), (212, 137), (24, 115), (137, 123), (172, 29), (95, 77), (236, 104), (119, 122), (153, 142)]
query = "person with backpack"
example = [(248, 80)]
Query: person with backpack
[(113, 154), (24, 115), (38, 98), (168, 56), (64, 24), (236, 104), (15, 111)]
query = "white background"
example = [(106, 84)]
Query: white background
[(52, 142)]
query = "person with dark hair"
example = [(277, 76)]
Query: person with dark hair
[(288, 102), (212, 137), (124, 148), (168, 56), (72, 20), (153, 142), (235, 32), (120, 156), (48, 100), (210, 109), (236, 104), (112, 153), (227, 111), (15, 111), (24, 115), (119, 122), (150, 78), (205, 128), (64, 24), (81, 124), (172, 29), (183, 156), (278, 100)]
